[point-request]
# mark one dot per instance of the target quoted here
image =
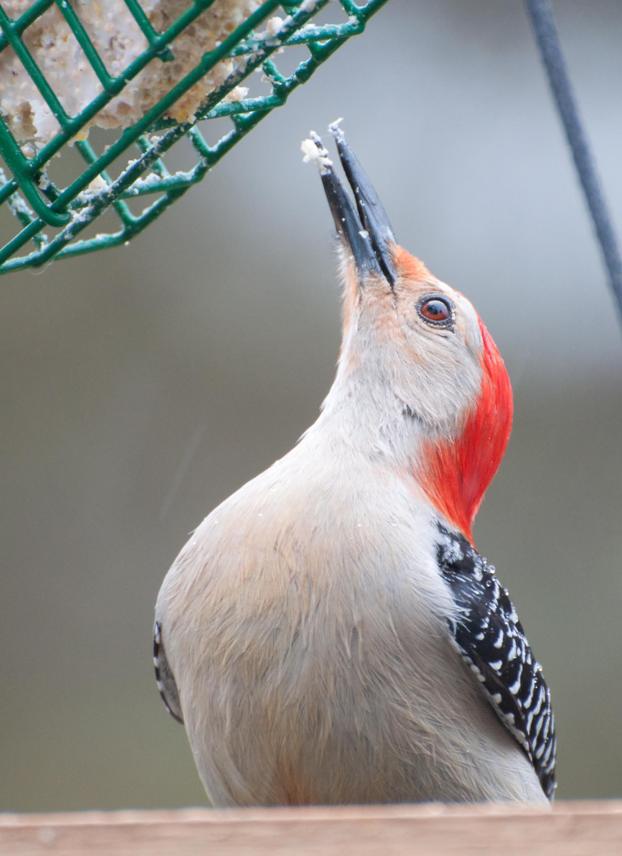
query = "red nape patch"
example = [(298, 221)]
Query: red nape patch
[(455, 475)]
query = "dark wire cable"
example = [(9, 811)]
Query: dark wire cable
[(547, 37)]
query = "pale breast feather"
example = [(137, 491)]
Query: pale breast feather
[(489, 637)]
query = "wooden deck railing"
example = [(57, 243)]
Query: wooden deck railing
[(570, 829)]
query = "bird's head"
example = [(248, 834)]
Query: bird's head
[(415, 354)]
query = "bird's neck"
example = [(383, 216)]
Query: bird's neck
[(452, 472), (366, 421)]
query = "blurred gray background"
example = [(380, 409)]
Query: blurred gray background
[(142, 385)]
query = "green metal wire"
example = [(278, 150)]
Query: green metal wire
[(49, 219)]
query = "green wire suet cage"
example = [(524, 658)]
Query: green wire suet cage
[(124, 170)]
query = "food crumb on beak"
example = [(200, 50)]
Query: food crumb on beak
[(312, 153)]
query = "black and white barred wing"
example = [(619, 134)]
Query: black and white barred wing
[(165, 679), (491, 640)]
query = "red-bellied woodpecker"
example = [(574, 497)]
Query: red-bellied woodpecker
[(329, 634)]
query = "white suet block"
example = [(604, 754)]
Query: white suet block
[(118, 40)]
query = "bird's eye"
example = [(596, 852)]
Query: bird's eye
[(436, 310)]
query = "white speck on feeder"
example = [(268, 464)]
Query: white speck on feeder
[(97, 184), (239, 93), (274, 25)]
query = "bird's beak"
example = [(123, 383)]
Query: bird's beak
[(365, 229)]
